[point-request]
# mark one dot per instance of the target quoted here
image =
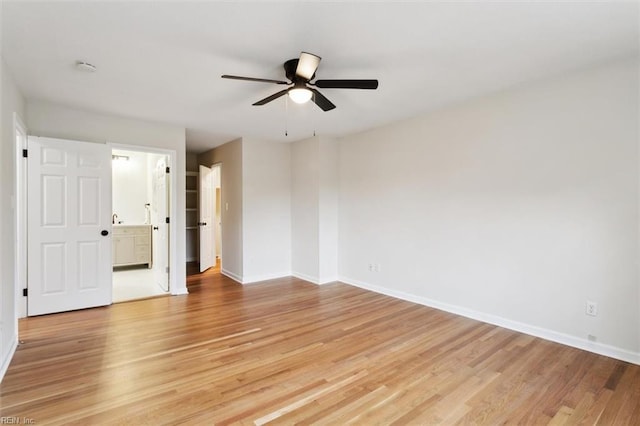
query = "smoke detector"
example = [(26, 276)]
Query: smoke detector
[(85, 66)]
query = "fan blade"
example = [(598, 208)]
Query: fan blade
[(307, 65), (320, 100), (272, 97), (261, 80), (346, 84)]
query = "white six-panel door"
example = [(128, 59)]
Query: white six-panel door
[(160, 210), (69, 223), (205, 225)]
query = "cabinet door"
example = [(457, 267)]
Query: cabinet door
[(125, 250)]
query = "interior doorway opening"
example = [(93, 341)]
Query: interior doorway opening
[(93, 203), (209, 217), (140, 212)]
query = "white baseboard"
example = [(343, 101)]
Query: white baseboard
[(226, 273), (259, 278), (179, 291), (305, 277), (543, 333), (8, 357), (329, 280), (314, 280), (253, 279), (265, 277)]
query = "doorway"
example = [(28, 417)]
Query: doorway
[(209, 223), (94, 205), (140, 208)]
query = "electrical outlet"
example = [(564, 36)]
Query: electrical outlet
[(372, 268), (591, 308)]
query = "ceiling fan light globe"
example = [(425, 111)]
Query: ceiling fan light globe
[(300, 95)]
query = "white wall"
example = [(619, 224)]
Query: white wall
[(131, 187), (328, 210), (266, 212), (58, 121), (314, 209), (217, 208), (305, 224), (514, 208), (12, 102)]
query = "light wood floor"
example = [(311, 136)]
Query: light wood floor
[(287, 351)]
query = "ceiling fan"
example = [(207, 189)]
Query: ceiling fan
[(300, 72)]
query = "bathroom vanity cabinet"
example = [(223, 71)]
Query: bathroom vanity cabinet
[(132, 245)]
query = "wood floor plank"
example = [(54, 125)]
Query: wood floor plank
[(289, 352)]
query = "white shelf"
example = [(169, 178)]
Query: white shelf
[(191, 194)]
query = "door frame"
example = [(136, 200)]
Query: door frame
[(20, 219), (160, 261), (218, 227), (173, 194)]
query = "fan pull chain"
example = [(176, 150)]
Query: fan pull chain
[(286, 115), (315, 116)]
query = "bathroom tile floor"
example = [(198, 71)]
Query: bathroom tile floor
[(134, 282)]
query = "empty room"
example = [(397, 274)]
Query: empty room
[(320, 212)]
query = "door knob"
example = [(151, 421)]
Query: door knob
[(155, 228), (104, 232)]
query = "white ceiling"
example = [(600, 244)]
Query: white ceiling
[(162, 61)]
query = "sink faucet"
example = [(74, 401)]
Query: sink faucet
[(113, 218)]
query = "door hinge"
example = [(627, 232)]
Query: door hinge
[(25, 292), (166, 269), (167, 221), (168, 169), (25, 153)]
